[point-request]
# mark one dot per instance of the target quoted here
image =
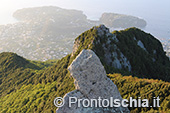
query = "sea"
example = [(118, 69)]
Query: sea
[(155, 12)]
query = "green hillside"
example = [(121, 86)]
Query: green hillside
[(31, 86), (39, 98), (16, 71)]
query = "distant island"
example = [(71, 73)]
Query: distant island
[(48, 32), (121, 21), (67, 17)]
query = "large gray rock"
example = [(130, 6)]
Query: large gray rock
[(91, 82)]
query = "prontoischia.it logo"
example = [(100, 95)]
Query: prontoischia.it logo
[(111, 102)]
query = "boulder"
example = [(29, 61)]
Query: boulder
[(91, 82)]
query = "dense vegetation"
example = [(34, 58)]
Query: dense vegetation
[(31, 80), (39, 98), (16, 71), (31, 86), (150, 63), (146, 89)]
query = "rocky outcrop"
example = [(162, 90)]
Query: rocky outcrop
[(166, 46), (103, 43), (130, 51), (91, 82)]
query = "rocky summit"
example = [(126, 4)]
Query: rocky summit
[(91, 82), (130, 52)]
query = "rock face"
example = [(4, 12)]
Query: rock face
[(91, 83), (104, 45)]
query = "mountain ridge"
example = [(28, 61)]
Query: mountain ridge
[(37, 88), (129, 50)]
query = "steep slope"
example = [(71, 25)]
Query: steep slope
[(145, 53), (130, 50)]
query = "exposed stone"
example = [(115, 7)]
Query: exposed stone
[(75, 46), (121, 62), (140, 44), (91, 82), (112, 54)]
